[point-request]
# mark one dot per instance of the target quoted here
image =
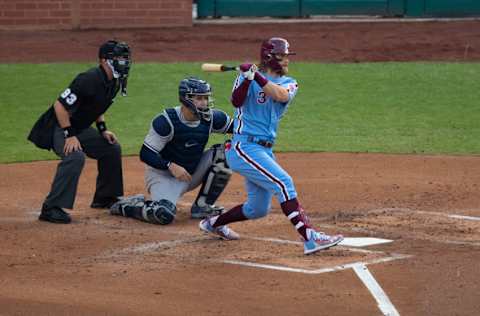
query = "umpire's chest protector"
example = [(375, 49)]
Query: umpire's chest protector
[(188, 143)]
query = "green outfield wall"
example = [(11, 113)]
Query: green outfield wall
[(305, 8)]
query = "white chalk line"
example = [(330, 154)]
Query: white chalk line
[(440, 214), (384, 303), (393, 257), (465, 217), (432, 239), (360, 268), (149, 247)]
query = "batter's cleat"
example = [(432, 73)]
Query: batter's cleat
[(221, 231), (201, 212), (118, 208), (54, 215), (103, 202), (320, 241)]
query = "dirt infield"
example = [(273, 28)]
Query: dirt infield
[(105, 265), (102, 264), (344, 42)]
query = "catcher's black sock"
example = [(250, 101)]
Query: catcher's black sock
[(296, 215), (233, 215)]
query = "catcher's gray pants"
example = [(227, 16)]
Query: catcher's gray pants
[(109, 164), (162, 185)]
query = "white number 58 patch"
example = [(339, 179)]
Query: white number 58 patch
[(69, 96)]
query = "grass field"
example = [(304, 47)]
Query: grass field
[(371, 107)]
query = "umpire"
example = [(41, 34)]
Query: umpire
[(66, 129)]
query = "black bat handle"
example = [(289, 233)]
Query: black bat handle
[(228, 68)]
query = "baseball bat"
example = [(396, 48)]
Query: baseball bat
[(217, 68)]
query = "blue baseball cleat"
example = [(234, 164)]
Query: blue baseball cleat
[(221, 231), (319, 241)]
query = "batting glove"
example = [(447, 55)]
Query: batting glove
[(248, 71)]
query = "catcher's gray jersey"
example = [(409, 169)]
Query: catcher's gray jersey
[(160, 183)]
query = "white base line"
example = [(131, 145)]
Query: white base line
[(316, 271), (149, 247), (360, 268), (440, 214), (465, 217), (384, 303)]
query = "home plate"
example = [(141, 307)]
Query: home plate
[(363, 241)]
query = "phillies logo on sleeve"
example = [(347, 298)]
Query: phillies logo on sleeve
[(292, 87)]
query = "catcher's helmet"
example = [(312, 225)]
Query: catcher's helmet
[(190, 87), (269, 51), (118, 56)]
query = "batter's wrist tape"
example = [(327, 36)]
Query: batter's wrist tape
[(101, 126), (261, 80), (69, 132)]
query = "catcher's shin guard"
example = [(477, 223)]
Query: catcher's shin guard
[(215, 179)]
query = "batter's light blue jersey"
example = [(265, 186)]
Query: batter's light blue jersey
[(259, 115)]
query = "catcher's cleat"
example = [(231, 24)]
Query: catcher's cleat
[(201, 212), (54, 215), (221, 231), (118, 207), (319, 241)]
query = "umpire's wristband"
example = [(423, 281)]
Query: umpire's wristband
[(102, 127), (69, 132)]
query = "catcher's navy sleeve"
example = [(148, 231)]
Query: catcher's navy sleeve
[(161, 132), (153, 159)]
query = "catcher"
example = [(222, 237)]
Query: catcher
[(173, 151)]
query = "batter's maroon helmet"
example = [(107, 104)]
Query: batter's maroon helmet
[(269, 51)]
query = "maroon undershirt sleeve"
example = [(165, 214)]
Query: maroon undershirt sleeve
[(240, 93)]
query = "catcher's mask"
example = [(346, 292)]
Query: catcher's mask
[(190, 87), (271, 53), (118, 56)]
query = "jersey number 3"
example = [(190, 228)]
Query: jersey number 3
[(262, 98), (69, 96)]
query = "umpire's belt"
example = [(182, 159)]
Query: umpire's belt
[(261, 142)]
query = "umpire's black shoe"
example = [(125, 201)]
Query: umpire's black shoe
[(103, 202), (54, 215)]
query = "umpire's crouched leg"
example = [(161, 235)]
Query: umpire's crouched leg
[(64, 188), (110, 176)]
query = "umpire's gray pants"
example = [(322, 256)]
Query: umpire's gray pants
[(109, 164)]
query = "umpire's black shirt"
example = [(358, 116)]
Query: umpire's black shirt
[(89, 95)]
